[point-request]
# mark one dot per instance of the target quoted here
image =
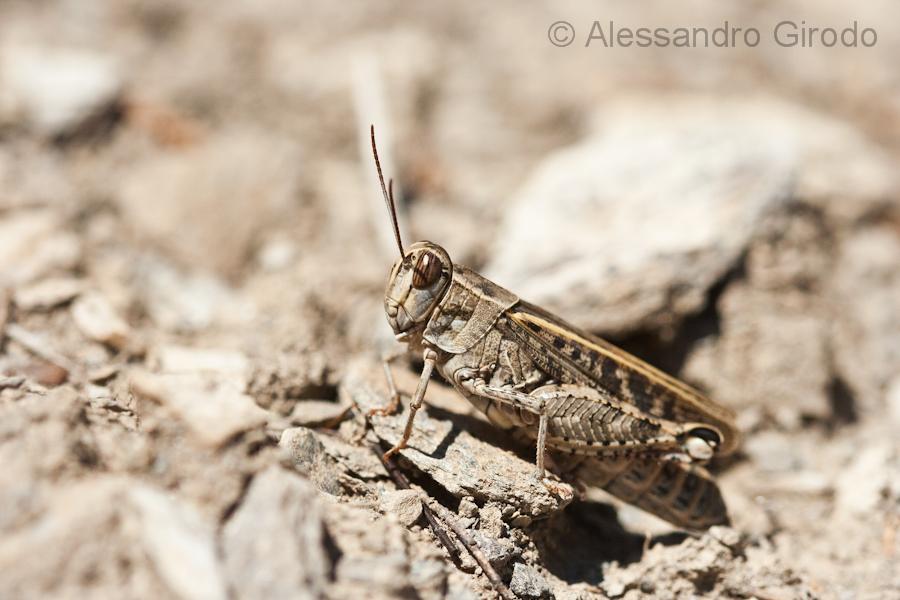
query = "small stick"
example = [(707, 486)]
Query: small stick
[(402, 482), (466, 538)]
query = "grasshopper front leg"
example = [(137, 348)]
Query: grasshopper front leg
[(430, 358)]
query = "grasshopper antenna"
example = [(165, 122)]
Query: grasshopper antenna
[(388, 194)]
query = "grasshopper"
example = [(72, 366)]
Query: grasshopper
[(618, 422)]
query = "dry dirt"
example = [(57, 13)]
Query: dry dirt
[(193, 252)]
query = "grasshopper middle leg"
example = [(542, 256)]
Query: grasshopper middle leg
[(533, 404)]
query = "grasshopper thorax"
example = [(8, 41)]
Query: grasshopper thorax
[(417, 283)]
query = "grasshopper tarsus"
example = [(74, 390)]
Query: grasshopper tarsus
[(387, 455), (389, 409)]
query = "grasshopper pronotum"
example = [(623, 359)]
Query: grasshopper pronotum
[(636, 431)]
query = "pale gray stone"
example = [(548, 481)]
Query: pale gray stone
[(458, 461), (614, 232), (179, 543), (528, 583), (33, 243), (315, 413), (498, 551), (48, 293), (403, 505), (631, 227), (54, 89), (113, 537), (274, 545), (95, 316), (861, 485), (306, 451), (214, 410), (224, 364)]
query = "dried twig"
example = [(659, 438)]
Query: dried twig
[(428, 509), (402, 482), (466, 538)]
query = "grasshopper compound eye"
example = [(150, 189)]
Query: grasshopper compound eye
[(427, 271)]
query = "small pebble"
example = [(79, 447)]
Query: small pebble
[(54, 89), (499, 551), (102, 373), (317, 413), (98, 320), (48, 294), (528, 583), (467, 507), (726, 536), (45, 373), (404, 505), (11, 382), (521, 521), (277, 254), (859, 487)]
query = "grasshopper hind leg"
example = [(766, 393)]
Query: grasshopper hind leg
[(528, 403), (541, 448)]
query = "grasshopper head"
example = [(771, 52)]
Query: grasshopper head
[(417, 283)]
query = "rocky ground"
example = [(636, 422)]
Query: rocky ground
[(193, 252)]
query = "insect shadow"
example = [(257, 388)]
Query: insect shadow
[(574, 544), (474, 426)]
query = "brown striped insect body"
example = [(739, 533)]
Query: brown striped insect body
[(621, 423)]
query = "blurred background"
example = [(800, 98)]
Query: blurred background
[(188, 200)]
